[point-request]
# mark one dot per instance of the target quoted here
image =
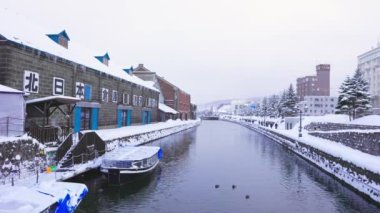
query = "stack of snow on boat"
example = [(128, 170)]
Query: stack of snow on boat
[(127, 163)]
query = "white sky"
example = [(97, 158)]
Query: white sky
[(219, 49)]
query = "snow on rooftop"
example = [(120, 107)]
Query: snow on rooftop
[(55, 97), (6, 89), (166, 108), (20, 30)]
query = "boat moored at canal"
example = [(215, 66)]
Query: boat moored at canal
[(128, 163)]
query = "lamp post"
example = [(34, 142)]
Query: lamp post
[(300, 129)]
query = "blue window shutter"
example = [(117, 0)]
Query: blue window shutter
[(87, 92), (77, 119), (119, 117), (148, 117), (142, 117), (129, 117), (94, 118)]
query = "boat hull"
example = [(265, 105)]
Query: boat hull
[(116, 176)]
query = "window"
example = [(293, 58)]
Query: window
[(104, 95), (126, 98), (85, 118), (140, 100), (134, 101), (114, 96)]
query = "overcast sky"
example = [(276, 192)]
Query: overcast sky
[(219, 49)]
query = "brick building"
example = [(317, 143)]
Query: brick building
[(317, 85), (49, 65), (170, 95)]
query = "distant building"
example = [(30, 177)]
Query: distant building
[(369, 65), (170, 95), (318, 85), (318, 105)]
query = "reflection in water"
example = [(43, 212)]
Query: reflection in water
[(225, 154)]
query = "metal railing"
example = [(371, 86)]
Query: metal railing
[(46, 134)]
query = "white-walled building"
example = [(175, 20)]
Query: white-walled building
[(12, 111), (369, 65), (318, 105)]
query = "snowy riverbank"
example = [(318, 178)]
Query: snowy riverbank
[(50, 190), (358, 169)]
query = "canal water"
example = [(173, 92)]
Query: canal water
[(225, 154)]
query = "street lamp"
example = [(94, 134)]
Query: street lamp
[(300, 129)]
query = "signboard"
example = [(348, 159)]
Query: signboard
[(58, 86), (31, 82), (79, 90)]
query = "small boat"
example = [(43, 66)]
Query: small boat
[(128, 163)]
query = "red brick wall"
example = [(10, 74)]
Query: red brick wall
[(168, 92), (184, 105)]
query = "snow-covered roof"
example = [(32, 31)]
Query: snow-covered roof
[(166, 108), (58, 98), (20, 30), (132, 153), (5, 89)]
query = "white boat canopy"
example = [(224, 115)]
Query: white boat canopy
[(130, 153)]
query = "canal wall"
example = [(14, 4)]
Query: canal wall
[(137, 137), (362, 180)]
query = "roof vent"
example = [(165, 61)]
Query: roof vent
[(61, 38), (104, 59)]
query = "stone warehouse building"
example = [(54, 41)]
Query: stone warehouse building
[(47, 65), (317, 85), (170, 95)]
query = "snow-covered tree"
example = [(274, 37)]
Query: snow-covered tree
[(361, 101), (273, 105), (281, 104), (289, 106), (354, 98), (264, 107), (345, 97)]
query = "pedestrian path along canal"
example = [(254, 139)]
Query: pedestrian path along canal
[(225, 154)]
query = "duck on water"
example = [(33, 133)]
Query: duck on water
[(128, 163)]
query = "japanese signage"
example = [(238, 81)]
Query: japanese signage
[(31, 82), (104, 95), (79, 90), (58, 86)]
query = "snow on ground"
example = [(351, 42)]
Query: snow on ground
[(14, 139), (372, 120), (112, 134), (357, 180), (38, 198), (361, 159)]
